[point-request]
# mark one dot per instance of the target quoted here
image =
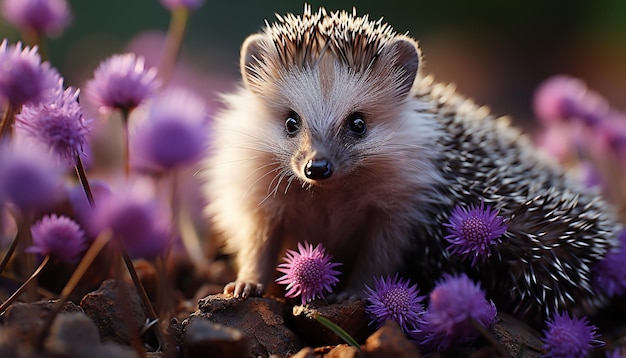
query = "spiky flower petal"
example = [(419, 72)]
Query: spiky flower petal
[(394, 298), (23, 77), (308, 272), (59, 125), (188, 4), (454, 303), (568, 337), (473, 231), (58, 236), (121, 82), (48, 17)]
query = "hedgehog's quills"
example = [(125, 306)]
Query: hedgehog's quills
[(336, 137)]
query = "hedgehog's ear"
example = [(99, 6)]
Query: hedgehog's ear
[(403, 54), (253, 54)]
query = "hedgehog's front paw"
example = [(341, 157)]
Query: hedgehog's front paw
[(243, 289)]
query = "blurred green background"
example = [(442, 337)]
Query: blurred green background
[(495, 51)]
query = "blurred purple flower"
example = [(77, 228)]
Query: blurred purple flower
[(175, 131), (395, 299), (121, 82), (473, 231), (136, 218), (48, 17), (567, 337), (59, 125), (29, 177), (59, 237), (308, 272), (609, 274), (188, 4), (454, 302), (79, 203), (23, 78)]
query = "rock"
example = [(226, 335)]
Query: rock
[(72, 335), (116, 310), (349, 315), (343, 351), (259, 319), (514, 335), (202, 336), (306, 352), (389, 341)]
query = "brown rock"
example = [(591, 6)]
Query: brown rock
[(389, 341), (514, 334), (116, 310), (202, 336), (344, 351), (259, 319), (306, 352), (73, 335), (349, 315)]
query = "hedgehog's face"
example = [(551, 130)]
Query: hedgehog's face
[(328, 114)]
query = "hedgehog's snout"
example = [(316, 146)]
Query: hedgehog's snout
[(318, 169)]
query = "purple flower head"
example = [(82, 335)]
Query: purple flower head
[(395, 299), (81, 208), (609, 274), (59, 237), (59, 125), (175, 131), (563, 97), (473, 231), (454, 302), (567, 337), (29, 177), (121, 82), (188, 4), (136, 218), (23, 78), (48, 17), (308, 272)]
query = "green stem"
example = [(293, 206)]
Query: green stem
[(82, 177), (26, 283), (338, 331), (125, 117), (173, 41)]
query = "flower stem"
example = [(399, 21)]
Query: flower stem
[(173, 41), (492, 341), (125, 117), (337, 330), (71, 284), (7, 121), (21, 289), (9, 253), (82, 177)]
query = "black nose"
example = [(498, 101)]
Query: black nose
[(318, 169)]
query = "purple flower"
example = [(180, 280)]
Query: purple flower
[(473, 232), (59, 125), (175, 131), (59, 237), (394, 299), (48, 17), (29, 177), (567, 337), (136, 218), (188, 4), (308, 272), (563, 97), (23, 78), (454, 303), (121, 82), (609, 274)]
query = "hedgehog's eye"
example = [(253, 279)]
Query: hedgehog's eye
[(292, 123), (356, 123)]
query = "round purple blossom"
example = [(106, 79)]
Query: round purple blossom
[(609, 274), (393, 298), (175, 131), (59, 125), (308, 272), (567, 337), (48, 17), (23, 78), (473, 231), (29, 177), (454, 303), (187, 4), (121, 82), (136, 218), (59, 237)]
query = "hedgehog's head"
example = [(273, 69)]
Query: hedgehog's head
[(334, 83)]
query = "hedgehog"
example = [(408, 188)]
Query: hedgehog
[(336, 136)]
